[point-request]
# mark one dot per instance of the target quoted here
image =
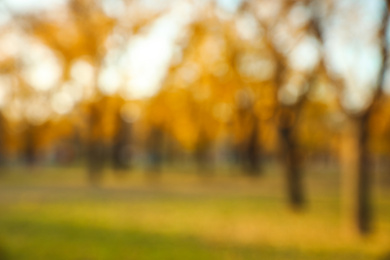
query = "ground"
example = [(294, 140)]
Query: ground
[(53, 213)]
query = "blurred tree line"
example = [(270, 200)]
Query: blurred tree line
[(274, 80)]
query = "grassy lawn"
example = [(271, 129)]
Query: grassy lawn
[(55, 214)]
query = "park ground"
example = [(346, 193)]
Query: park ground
[(53, 213)]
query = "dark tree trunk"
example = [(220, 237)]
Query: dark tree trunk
[(291, 160), (29, 152), (95, 161), (249, 149), (252, 151), (203, 156), (121, 154), (357, 176), (95, 148), (155, 150)]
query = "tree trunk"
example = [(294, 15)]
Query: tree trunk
[(249, 149), (155, 150), (120, 148), (357, 177), (95, 161), (252, 152), (202, 155), (29, 152), (291, 161), (95, 148)]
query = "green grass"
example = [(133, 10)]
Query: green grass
[(55, 214)]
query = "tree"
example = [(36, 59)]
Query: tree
[(84, 39), (285, 34), (355, 150)]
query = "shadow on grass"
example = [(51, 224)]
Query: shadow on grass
[(27, 239), (386, 256), (3, 252)]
